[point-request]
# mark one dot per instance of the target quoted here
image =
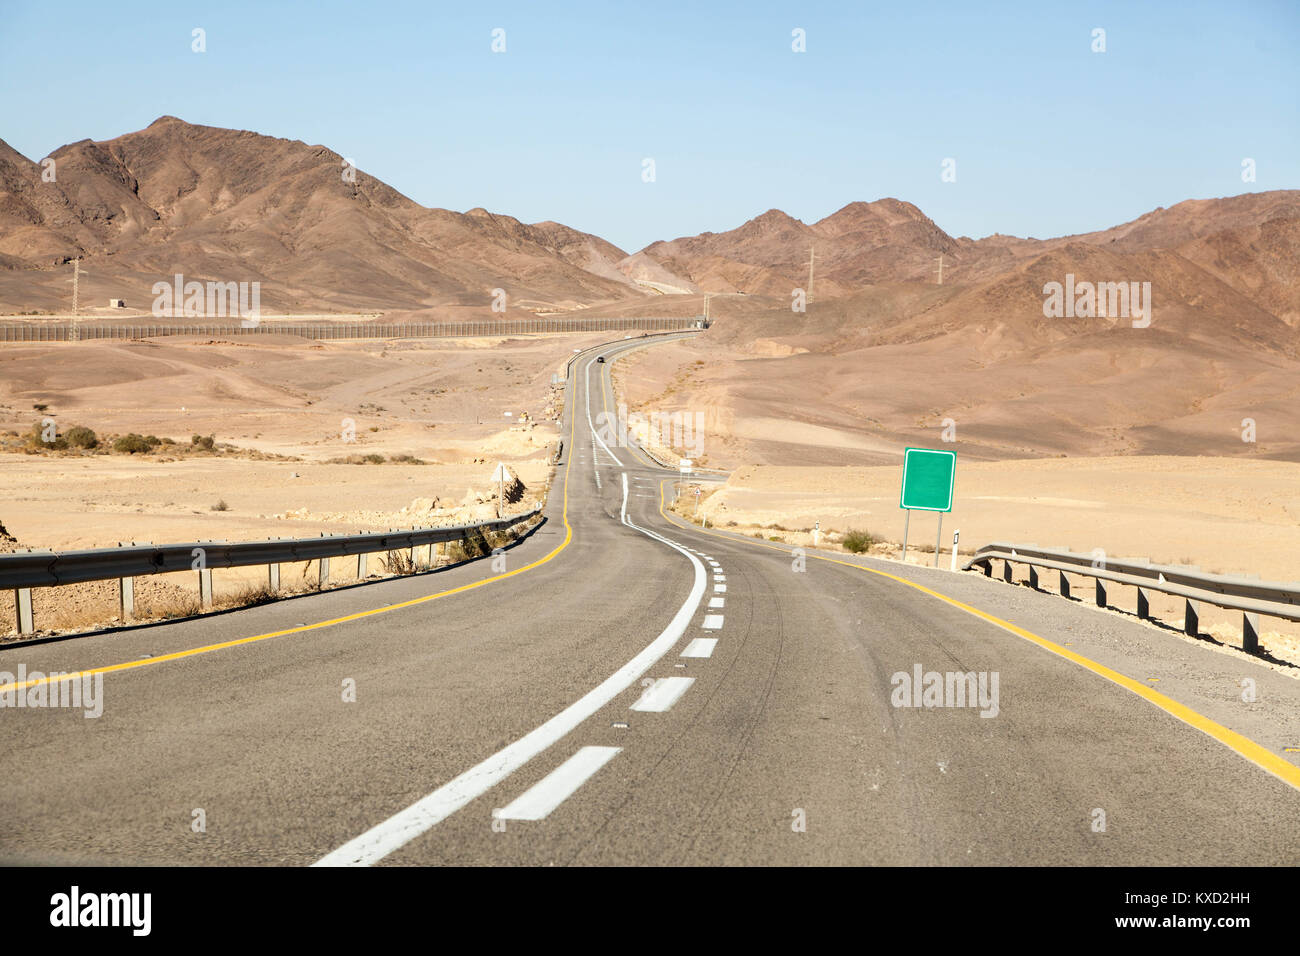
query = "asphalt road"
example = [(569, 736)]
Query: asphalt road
[(631, 690)]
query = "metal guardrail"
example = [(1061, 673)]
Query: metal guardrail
[(1253, 597), (90, 330), (25, 570)]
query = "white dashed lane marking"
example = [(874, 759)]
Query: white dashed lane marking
[(720, 588), (700, 647), (662, 694), (716, 602), (539, 800), (712, 622)]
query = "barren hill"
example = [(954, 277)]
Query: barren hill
[(862, 373), (1250, 242), (234, 205)]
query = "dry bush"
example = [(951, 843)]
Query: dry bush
[(398, 562)]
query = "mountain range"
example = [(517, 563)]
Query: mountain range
[(234, 205)]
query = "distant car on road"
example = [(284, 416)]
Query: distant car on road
[(600, 358)]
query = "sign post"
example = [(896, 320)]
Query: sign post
[(500, 476), (928, 478)]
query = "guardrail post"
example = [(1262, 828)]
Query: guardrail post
[(1033, 577), (361, 566), (1250, 632), (1144, 604), (1064, 584), (1006, 571), (273, 577), (125, 594), (205, 587), (1101, 592), (23, 610), (1191, 618)]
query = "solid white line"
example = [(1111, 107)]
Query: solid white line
[(662, 694), (622, 512), (427, 812), (716, 602), (537, 802), (592, 425), (700, 647), (719, 588), (712, 622)]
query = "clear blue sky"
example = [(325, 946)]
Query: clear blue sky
[(1049, 138)]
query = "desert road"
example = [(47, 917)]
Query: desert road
[(633, 690)]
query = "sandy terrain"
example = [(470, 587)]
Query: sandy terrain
[(1222, 515), (96, 502), (278, 412), (1227, 516), (441, 402)]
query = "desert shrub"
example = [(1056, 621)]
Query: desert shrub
[(203, 442), (132, 444), (78, 436), (36, 439), (858, 540), (398, 562), (374, 459), (221, 506)]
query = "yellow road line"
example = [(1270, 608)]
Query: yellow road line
[(209, 648), (1257, 754)]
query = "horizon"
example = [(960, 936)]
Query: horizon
[(734, 119)]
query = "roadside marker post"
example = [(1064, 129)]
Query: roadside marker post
[(955, 536), (500, 477), (928, 478)]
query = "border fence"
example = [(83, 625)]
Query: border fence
[(86, 331)]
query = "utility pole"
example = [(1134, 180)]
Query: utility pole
[(941, 268), (810, 274), (76, 295)]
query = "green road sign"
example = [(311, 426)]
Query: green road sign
[(927, 479)]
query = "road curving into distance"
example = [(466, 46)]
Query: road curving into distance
[(636, 690)]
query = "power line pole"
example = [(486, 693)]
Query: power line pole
[(76, 296)]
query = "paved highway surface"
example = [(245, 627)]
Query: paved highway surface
[(632, 690)]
